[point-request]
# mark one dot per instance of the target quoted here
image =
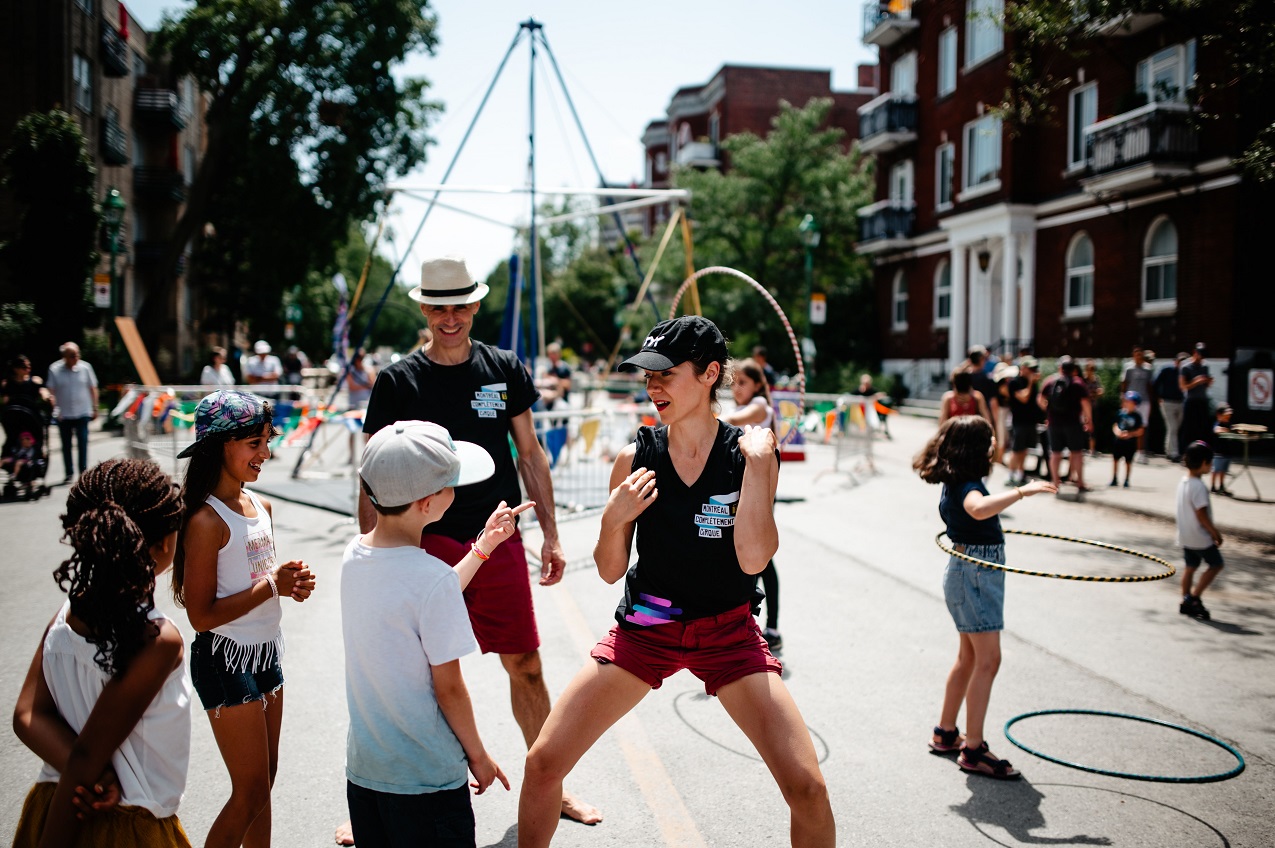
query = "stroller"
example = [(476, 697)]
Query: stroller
[(25, 458)]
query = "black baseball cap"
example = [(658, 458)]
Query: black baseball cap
[(691, 337)]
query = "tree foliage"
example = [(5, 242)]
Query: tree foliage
[(748, 218), (305, 124), (1043, 32), (50, 176)]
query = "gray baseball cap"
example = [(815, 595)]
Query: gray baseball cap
[(410, 460)]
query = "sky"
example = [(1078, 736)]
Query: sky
[(622, 62)]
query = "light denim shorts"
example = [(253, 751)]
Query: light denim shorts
[(975, 594)]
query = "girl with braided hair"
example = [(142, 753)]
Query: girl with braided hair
[(226, 577), (106, 701)]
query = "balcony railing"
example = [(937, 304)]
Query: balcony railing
[(166, 184), (887, 21), (887, 122), (885, 225), (114, 142), (698, 154), (159, 107), (114, 52), (1145, 146)]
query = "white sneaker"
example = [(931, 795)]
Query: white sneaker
[(1141, 458)]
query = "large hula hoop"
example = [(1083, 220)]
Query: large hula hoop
[(1132, 578), (1154, 778), (792, 337)]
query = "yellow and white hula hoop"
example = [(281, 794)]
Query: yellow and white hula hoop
[(1132, 578)]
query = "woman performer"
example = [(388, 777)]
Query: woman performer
[(702, 535)]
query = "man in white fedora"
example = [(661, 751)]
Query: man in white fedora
[(481, 394)]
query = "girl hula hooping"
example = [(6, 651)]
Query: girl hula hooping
[(226, 577), (753, 406), (106, 702), (698, 494), (959, 456)]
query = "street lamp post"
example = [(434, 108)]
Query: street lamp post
[(113, 207), (809, 230)]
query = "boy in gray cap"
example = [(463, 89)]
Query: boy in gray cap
[(412, 733)]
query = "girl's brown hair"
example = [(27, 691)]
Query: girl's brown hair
[(960, 451)]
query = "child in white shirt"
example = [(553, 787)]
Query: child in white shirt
[(1197, 534)]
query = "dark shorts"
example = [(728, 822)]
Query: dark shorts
[(1022, 438), (718, 650), (1070, 436), (386, 820), (1211, 555), (499, 596), (1124, 448), (218, 686)]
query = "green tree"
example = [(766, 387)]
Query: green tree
[(748, 218), (50, 176), (1042, 32), (305, 124)]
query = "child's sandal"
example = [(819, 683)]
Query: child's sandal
[(949, 741), (980, 761)]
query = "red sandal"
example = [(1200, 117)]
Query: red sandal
[(981, 761)]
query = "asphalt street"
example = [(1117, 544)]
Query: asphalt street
[(868, 642)]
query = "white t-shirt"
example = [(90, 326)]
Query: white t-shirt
[(151, 763), (219, 376), (401, 612), (1192, 494), (269, 369)]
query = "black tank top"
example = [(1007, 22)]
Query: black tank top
[(686, 566)]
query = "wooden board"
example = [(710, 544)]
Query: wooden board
[(137, 351)]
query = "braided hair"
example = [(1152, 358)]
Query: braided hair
[(114, 514), (203, 473), (960, 451)]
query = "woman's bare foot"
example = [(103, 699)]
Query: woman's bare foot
[(345, 833), (580, 811)]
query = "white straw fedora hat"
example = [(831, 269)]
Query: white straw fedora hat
[(447, 282)]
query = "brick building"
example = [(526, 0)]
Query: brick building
[(1116, 223), (143, 128), (737, 99)]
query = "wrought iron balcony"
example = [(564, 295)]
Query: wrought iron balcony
[(114, 142), (114, 52), (159, 107), (887, 122), (165, 184), (887, 21), (1140, 148), (1126, 24), (886, 225), (698, 154)]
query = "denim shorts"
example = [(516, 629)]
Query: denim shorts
[(218, 686), (1221, 463), (975, 594)]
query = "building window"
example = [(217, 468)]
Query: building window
[(1165, 75), (1082, 111), (85, 5), (943, 294), (903, 74), (982, 152), (661, 162), (82, 75), (901, 182), (944, 170), (714, 128), (947, 61), (1080, 276), (899, 296), (983, 34), (188, 164), (1160, 266), (139, 65)]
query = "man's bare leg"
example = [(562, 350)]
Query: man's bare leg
[(529, 697)]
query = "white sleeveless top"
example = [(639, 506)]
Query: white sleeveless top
[(769, 420), (152, 761), (247, 642)]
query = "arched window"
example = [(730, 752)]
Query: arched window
[(1080, 276), (899, 299), (943, 294), (1160, 266)]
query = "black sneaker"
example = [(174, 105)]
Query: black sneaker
[(1200, 612), (773, 640), (1187, 607)]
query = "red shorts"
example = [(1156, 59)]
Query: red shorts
[(718, 650), (499, 596)]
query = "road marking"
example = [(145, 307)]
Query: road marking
[(674, 821)]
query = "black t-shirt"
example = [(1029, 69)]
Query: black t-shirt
[(980, 381), (1023, 414), (475, 401), (1064, 396), (686, 566), (963, 528), (1166, 384)]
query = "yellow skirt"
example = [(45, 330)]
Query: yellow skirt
[(120, 826)]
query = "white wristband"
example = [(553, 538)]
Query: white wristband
[(274, 587)]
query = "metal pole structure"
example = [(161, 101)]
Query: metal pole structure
[(532, 26)]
